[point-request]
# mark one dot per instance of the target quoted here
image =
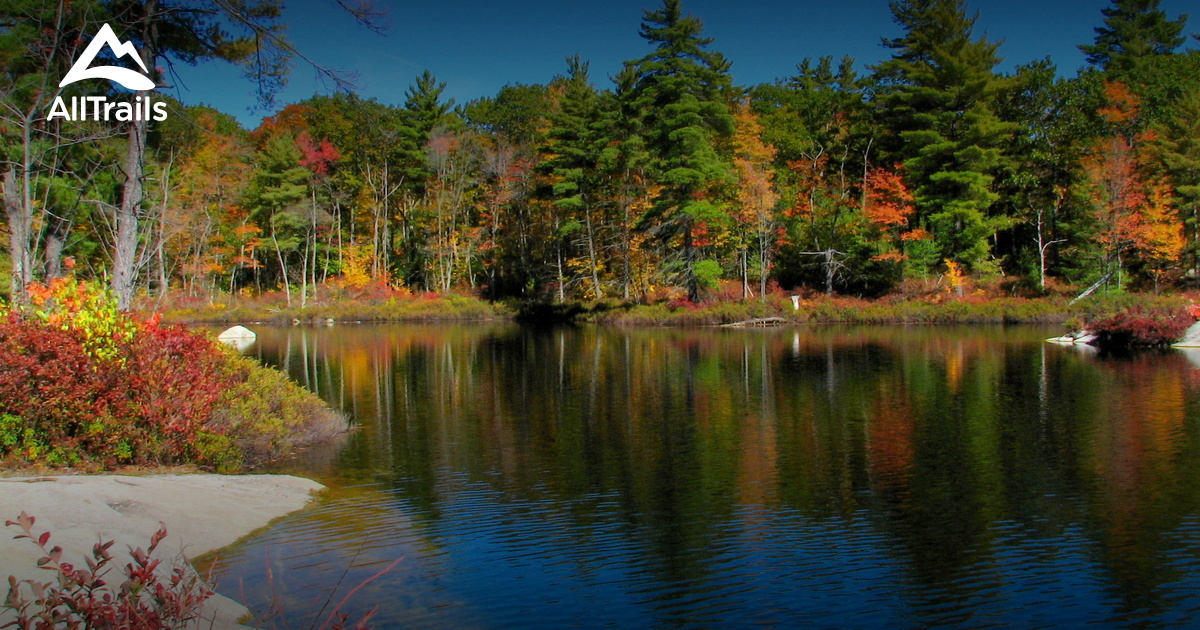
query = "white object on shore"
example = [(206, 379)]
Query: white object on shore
[(1075, 338), (239, 337)]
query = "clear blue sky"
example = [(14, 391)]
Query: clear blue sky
[(477, 47)]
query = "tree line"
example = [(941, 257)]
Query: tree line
[(671, 178)]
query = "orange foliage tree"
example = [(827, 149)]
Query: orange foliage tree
[(1134, 212), (754, 215), (888, 207)]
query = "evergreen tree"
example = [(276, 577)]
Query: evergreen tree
[(276, 192), (938, 92), (625, 165), (425, 107), (1133, 31), (572, 154), (680, 92)]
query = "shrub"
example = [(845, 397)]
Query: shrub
[(85, 307), (145, 402), (83, 598), (264, 414), (1141, 328), (155, 396)]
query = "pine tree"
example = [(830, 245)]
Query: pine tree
[(680, 93), (572, 153), (938, 91), (276, 192), (425, 107), (1133, 31)]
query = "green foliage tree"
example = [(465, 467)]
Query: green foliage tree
[(278, 188), (426, 108), (1133, 31), (572, 153), (681, 94), (938, 96), (1054, 119), (45, 165)]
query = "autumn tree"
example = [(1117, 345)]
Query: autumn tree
[(755, 212), (1133, 211), (888, 208), (210, 232)]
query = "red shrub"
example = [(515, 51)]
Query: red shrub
[(1139, 328), (173, 378), (95, 596), (145, 404)]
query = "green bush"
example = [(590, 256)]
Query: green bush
[(265, 415)]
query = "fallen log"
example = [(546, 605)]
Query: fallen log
[(761, 321)]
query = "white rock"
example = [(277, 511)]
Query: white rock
[(239, 337), (1075, 338), (1191, 337)]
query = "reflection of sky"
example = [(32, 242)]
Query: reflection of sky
[(492, 561), (478, 46)]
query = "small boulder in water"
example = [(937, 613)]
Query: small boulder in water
[(239, 337)]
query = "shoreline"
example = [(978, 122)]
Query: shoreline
[(938, 308), (203, 514)]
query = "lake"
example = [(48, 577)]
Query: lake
[(509, 477)]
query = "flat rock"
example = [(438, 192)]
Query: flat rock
[(202, 513), (1075, 338), (1191, 337)]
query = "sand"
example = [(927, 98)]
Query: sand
[(202, 513)]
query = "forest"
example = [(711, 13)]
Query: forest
[(666, 181)]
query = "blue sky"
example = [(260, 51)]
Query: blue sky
[(477, 47)]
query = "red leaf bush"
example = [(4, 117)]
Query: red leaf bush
[(146, 404), (1141, 328), (93, 388)]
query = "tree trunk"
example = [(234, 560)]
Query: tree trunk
[(287, 287), (20, 225), (689, 268), (764, 259), (829, 272), (592, 257), (128, 215), (1092, 288)]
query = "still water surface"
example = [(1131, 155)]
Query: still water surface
[(811, 477)]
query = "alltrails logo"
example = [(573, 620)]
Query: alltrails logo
[(99, 107)]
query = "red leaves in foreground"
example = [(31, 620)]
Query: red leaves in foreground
[(83, 598)]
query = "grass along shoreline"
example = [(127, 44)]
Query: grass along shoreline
[(937, 308)]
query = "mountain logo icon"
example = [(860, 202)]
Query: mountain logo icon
[(126, 77)]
